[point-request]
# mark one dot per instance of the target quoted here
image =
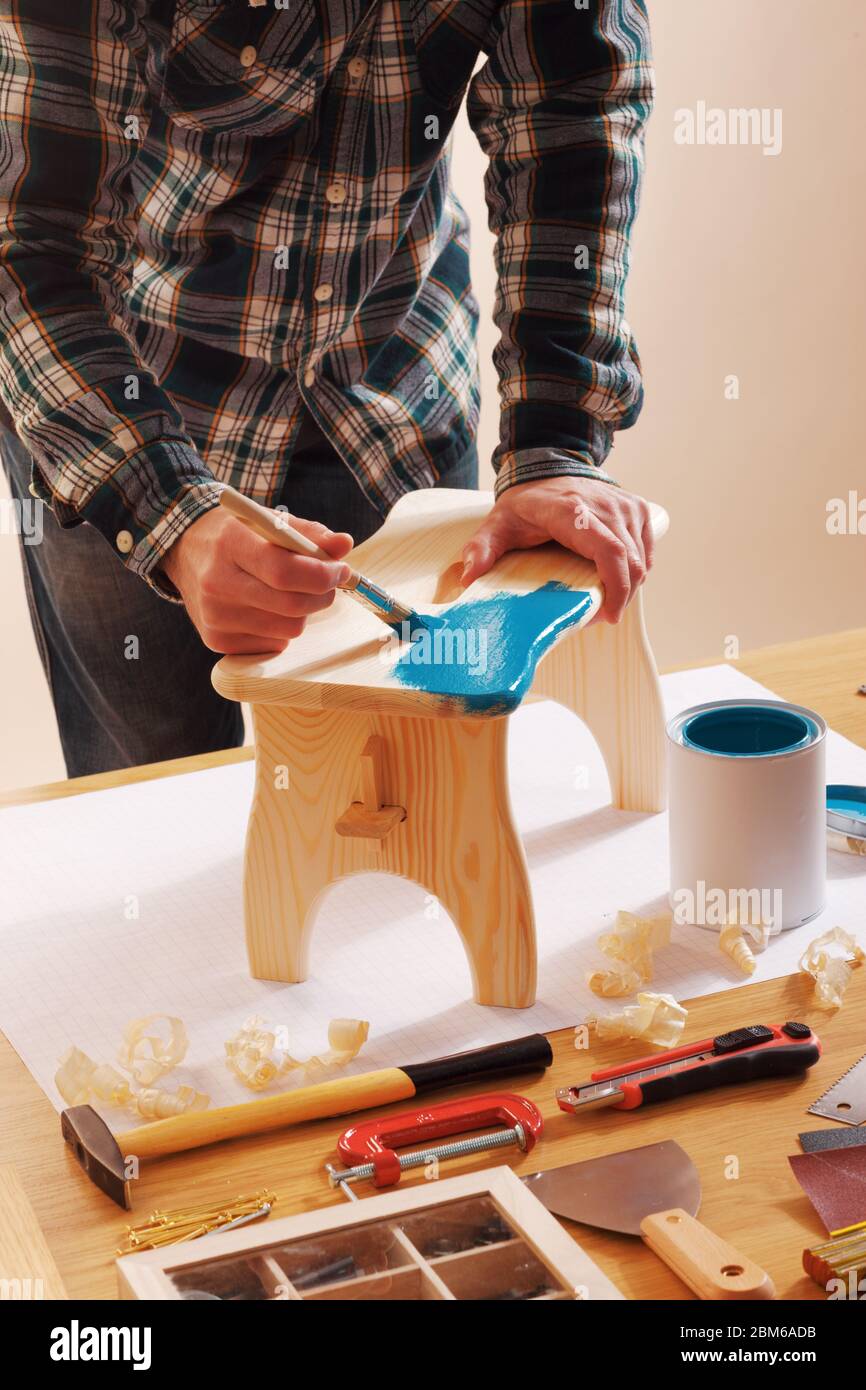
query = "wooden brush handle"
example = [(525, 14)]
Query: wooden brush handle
[(268, 525), (711, 1267)]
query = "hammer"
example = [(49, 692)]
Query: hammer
[(111, 1161)]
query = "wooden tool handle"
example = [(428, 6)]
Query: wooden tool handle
[(711, 1267), (269, 526), (342, 1096)]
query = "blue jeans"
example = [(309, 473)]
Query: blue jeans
[(84, 606)]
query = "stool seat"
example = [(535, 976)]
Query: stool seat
[(345, 660), (356, 771)]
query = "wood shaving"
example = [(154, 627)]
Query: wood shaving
[(151, 1046), (73, 1076), (629, 946), (620, 980), (155, 1103), (831, 971), (735, 945), (848, 844), (654, 1018), (256, 1059)]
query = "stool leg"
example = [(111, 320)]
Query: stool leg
[(458, 840), (289, 856), (607, 675)]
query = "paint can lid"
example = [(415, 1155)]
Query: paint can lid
[(846, 809)]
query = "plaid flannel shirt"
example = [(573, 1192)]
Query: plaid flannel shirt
[(215, 212)]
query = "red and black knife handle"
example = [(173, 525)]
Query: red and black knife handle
[(754, 1064)]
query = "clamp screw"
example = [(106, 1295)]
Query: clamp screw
[(499, 1139)]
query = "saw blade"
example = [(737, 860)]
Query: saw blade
[(846, 1099)]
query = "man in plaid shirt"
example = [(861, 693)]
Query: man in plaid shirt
[(230, 253)]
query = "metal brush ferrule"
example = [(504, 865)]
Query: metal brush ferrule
[(378, 601)]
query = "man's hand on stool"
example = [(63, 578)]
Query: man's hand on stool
[(244, 594), (605, 523)]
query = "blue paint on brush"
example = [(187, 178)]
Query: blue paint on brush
[(378, 598), (483, 653)]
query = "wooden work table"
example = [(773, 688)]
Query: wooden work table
[(749, 1130)]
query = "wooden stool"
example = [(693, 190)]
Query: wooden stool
[(355, 771)]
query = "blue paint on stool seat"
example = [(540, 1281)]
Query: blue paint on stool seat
[(483, 653)]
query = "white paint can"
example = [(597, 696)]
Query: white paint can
[(747, 814)]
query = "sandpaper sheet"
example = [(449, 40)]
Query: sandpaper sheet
[(815, 1140), (835, 1183)]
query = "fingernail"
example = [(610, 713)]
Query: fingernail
[(467, 565), (343, 575)]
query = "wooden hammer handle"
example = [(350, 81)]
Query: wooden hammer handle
[(341, 1096), (711, 1267)]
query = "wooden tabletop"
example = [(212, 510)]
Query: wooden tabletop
[(739, 1139)]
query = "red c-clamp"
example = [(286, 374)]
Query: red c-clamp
[(373, 1142)]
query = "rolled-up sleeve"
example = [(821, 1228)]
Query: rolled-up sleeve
[(560, 108), (108, 444)]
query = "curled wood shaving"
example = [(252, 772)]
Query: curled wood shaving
[(629, 946), (735, 945), (256, 1059), (155, 1103), (831, 972), (151, 1047), (73, 1076), (654, 1018), (848, 844), (619, 980), (107, 1084)]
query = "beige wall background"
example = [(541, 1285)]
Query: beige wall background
[(744, 264)]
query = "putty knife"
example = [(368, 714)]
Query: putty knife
[(654, 1192)]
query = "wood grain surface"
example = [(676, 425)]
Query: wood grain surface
[(344, 662), (457, 839), (762, 1211)]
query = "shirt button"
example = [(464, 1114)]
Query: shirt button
[(123, 542), (323, 292), (357, 67), (248, 56), (309, 377), (336, 193)]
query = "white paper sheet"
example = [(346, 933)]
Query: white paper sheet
[(78, 964)]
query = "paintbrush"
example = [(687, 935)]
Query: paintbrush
[(271, 526)]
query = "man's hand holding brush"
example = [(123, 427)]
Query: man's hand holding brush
[(246, 595)]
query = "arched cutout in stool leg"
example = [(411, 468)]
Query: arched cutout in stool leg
[(458, 839)]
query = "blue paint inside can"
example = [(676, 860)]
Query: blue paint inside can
[(749, 731), (847, 800), (482, 654)]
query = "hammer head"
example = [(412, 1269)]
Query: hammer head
[(97, 1151)]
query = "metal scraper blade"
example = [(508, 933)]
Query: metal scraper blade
[(846, 1100), (617, 1191)]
